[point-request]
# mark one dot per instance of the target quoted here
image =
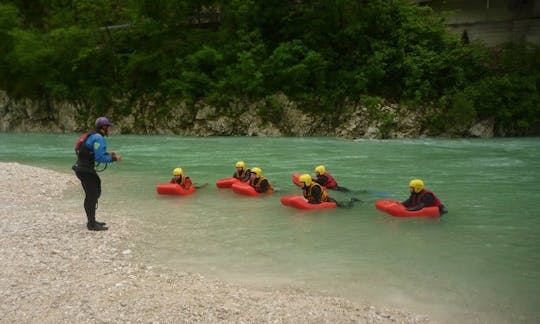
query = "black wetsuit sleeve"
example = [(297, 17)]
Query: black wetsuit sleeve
[(304, 193), (264, 186), (322, 180), (247, 175), (417, 207), (407, 202)]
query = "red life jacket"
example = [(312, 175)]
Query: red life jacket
[(85, 155), (183, 181), (81, 141), (331, 181), (416, 199)]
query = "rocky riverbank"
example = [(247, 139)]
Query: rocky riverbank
[(277, 117), (55, 271)]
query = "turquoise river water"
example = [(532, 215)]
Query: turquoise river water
[(480, 263)]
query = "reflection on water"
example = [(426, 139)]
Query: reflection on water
[(479, 263)]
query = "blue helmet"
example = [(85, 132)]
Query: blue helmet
[(102, 121)]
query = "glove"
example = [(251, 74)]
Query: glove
[(116, 157)]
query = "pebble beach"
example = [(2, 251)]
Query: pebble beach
[(56, 271)]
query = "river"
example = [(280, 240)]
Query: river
[(478, 263)]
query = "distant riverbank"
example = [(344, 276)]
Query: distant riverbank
[(381, 121)]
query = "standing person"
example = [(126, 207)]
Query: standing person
[(421, 197), (325, 179), (242, 173), (92, 148), (180, 178), (259, 182)]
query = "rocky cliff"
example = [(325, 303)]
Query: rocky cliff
[(240, 119)]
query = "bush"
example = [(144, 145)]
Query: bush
[(319, 53), (295, 69)]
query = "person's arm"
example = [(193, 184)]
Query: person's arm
[(322, 180), (100, 149), (264, 186), (247, 175), (407, 202), (419, 206), (304, 192)]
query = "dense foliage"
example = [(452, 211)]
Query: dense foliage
[(320, 53)]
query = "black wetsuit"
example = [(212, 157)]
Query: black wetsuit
[(86, 172)]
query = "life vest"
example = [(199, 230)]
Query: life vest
[(256, 183), (332, 183), (85, 155), (309, 196), (416, 199), (184, 182)]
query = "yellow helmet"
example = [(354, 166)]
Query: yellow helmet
[(305, 178), (257, 171), (320, 169), (240, 164), (178, 172), (417, 185)]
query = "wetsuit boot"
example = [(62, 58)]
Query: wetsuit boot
[(96, 227)]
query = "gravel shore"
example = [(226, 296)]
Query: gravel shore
[(56, 271)]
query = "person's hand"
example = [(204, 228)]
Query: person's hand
[(116, 157)]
